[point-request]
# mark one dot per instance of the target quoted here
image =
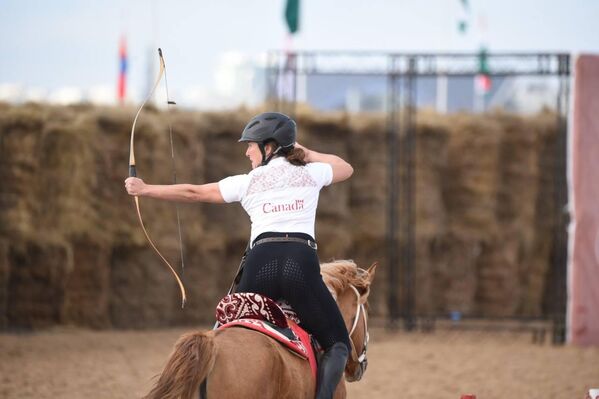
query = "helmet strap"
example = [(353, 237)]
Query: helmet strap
[(263, 152), (265, 159)]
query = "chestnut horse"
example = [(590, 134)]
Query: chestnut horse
[(242, 363)]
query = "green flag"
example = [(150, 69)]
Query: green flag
[(292, 15), (483, 61)]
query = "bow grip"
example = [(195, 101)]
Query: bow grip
[(132, 171)]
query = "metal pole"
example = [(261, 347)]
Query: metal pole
[(392, 144), (560, 243), (410, 219)]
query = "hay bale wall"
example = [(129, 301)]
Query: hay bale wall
[(71, 250)]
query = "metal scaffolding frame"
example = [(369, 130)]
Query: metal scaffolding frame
[(401, 71)]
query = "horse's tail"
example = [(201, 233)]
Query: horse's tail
[(189, 364)]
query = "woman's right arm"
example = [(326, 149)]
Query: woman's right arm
[(342, 170), (175, 192)]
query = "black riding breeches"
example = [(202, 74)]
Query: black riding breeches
[(291, 271)]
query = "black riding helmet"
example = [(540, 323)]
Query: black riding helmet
[(270, 126)]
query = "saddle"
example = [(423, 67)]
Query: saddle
[(274, 319)]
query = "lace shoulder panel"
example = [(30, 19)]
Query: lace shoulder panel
[(280, 176)]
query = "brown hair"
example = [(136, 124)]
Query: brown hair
[(294, 156)]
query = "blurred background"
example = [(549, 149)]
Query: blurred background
[(471, 126), (68, 51)]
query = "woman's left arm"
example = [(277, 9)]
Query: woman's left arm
[(175, 192)]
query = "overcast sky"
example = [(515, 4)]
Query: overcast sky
[(58, 43)]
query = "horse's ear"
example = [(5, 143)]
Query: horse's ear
[(371, 271)]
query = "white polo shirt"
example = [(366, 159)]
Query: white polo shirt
[(279, 196)]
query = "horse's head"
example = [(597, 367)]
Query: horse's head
[(350, 285)]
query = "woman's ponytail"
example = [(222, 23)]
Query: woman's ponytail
[(296, 157)]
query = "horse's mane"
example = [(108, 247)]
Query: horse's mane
[(340, 274)]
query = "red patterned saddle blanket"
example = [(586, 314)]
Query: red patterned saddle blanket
[(262, 314)]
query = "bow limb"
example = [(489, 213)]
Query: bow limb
[(133, 173), (132, 169), (143, 227)]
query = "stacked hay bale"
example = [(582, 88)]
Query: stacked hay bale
[(540, 278), (72, 251), (505, 258), (36, 261), (368, 201), (469, 189), (431, 168)]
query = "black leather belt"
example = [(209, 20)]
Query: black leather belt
[(310, 243)]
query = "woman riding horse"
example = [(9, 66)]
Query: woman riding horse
[(280, 195)]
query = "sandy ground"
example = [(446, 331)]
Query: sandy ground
[(73, 363)]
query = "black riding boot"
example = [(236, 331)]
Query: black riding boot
[(331, 369)]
